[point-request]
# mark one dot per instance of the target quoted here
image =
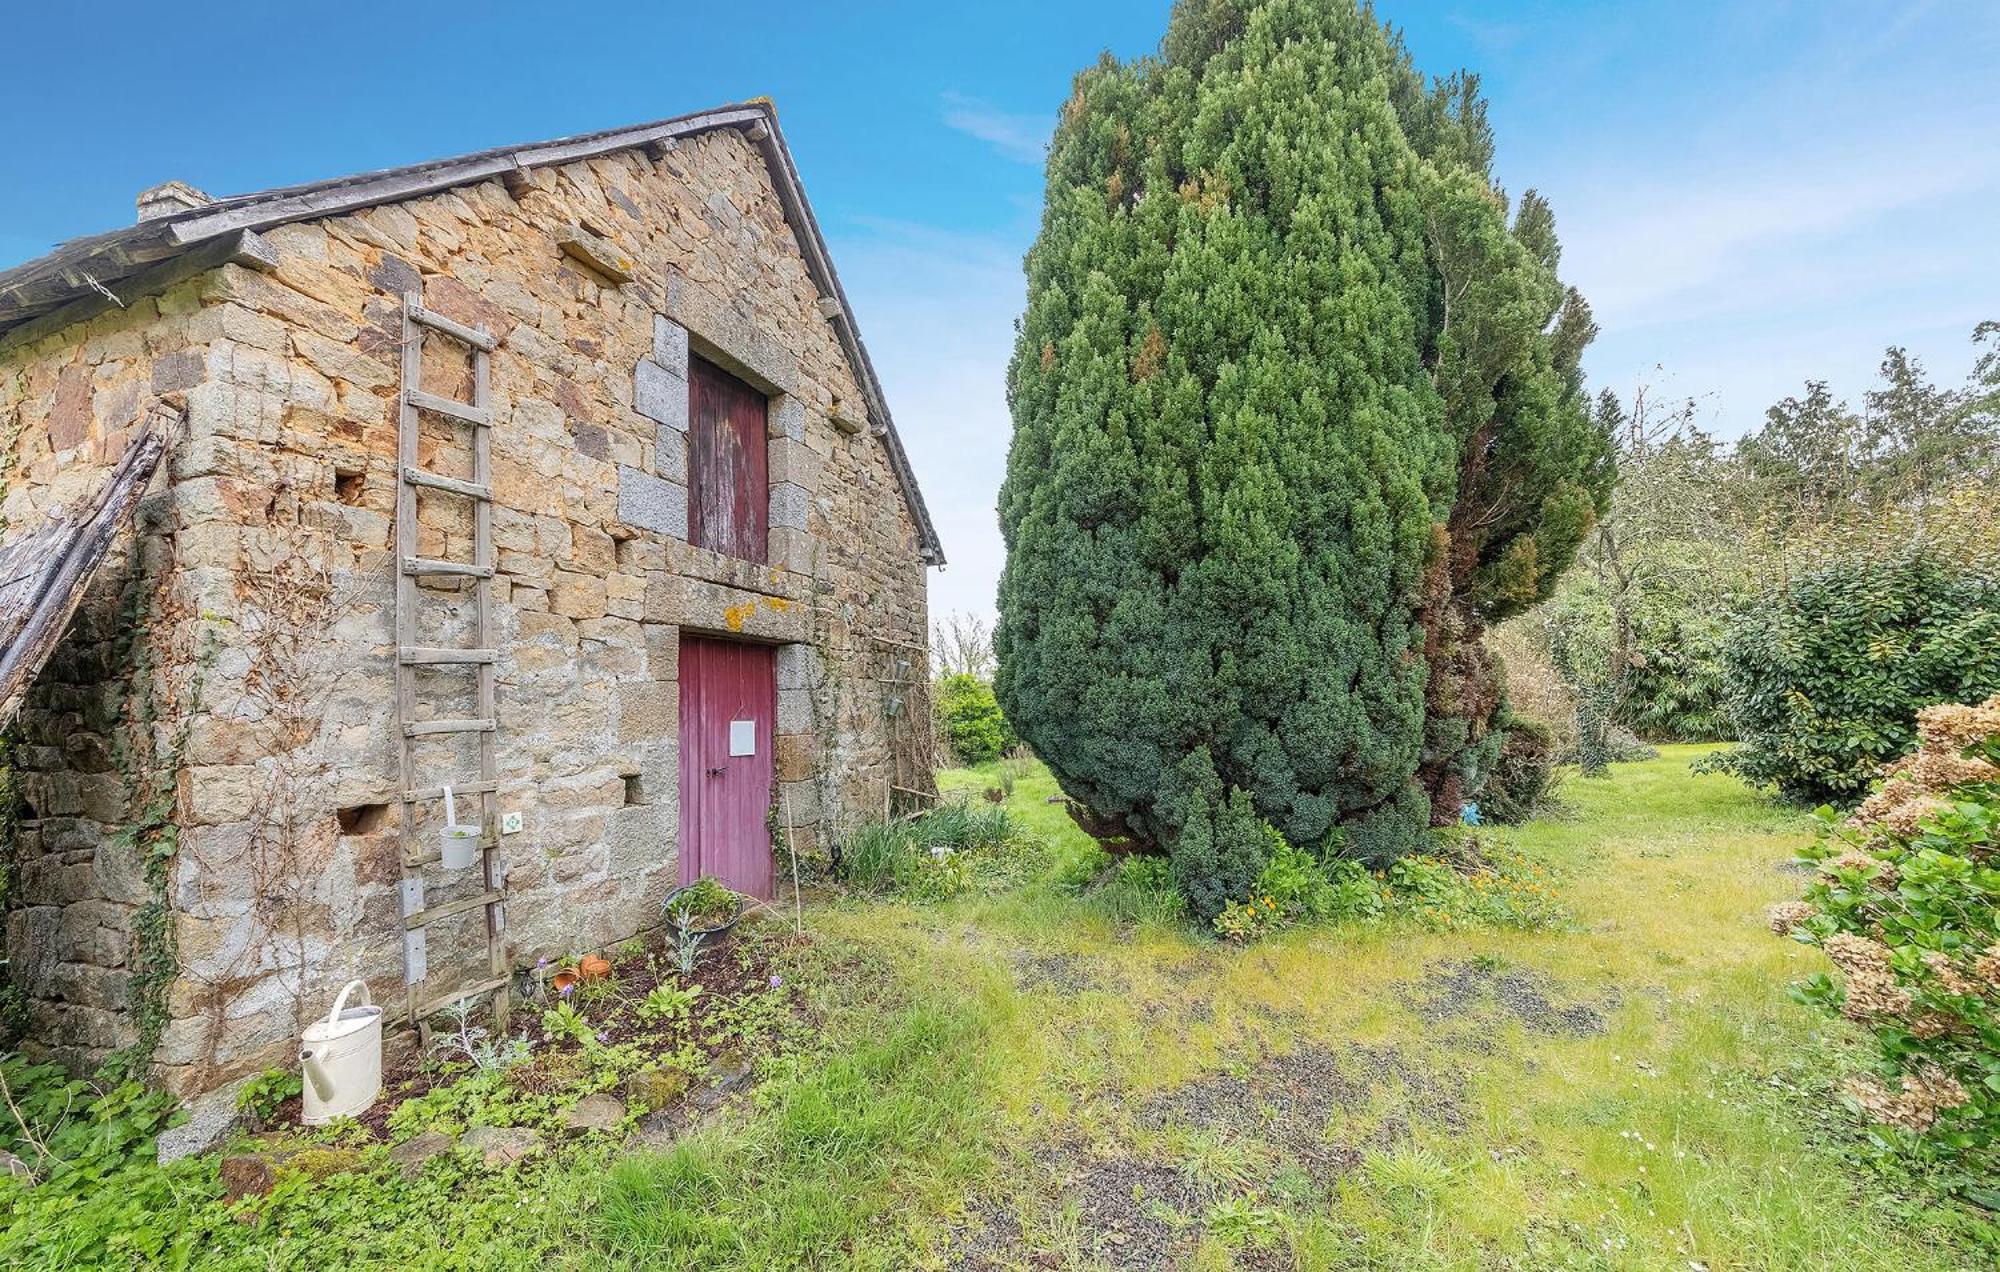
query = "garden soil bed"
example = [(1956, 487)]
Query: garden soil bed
[(734, 965)]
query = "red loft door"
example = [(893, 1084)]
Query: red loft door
[(728, 510), (729, 703)]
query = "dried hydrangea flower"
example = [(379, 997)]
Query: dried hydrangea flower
[(1783, 916)]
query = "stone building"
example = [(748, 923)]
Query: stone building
[(513, 472)]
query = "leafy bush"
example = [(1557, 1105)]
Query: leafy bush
[(1676, 689), (1825, 673), (1906, 903), (970, 718), (1295, 888), (1524, 774)]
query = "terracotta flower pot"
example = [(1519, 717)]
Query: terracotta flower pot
[(565, 979), (596, 967)]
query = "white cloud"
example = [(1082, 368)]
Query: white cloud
[(1024, 138)]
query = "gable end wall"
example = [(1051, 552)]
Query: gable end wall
[(265, 559)]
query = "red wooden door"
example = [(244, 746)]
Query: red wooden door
[(727, 467), (729, 705)]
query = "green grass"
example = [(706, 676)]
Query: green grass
[(1697, 1127)]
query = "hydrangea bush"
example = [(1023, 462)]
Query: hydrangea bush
[(1906, 905)]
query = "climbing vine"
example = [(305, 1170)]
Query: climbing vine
[(148, 749)]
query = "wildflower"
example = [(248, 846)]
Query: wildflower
[(567, 989), (777, 982)]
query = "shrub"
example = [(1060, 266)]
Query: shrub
[(1825, 673), (1676, 688), (954, 847), (1222, 846), (1522, 776), (1906, 904), (970, 719)]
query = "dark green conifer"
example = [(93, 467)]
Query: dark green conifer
[(1240, 419)]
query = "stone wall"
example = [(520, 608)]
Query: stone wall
[(274, 541), (69, 406)]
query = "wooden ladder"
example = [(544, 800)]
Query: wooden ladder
[(481, 660)]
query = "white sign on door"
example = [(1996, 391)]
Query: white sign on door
[(743, 737)]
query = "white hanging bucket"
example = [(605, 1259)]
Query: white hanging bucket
[(342, 1059), (458, 845)]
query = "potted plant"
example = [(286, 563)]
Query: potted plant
[(704, 907)]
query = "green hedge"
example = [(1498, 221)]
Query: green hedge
[(1824, 675)]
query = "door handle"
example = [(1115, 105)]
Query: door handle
[(717, 772)]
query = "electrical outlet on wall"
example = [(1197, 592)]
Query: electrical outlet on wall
[(510, 823)]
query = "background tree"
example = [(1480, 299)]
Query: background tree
[(962, 645)]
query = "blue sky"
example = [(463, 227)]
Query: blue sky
[(1750, 195)]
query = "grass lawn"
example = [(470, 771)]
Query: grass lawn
[(1026, 1079), (1634, 1092)]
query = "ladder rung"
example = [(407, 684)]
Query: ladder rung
[(425, 565), (427, 793), (426, 1006), (413, 654), (432, 914), (465, 412), (471, 489), (473, 336), (420, 728)]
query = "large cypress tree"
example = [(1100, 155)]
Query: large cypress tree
[(1504, 339), (1240, 421)]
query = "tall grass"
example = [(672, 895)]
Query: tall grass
[(898, 856), (895, 1126)]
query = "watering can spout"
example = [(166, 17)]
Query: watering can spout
[(322, 1081)]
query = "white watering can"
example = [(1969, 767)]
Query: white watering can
[(458, 846), (342, 1058)]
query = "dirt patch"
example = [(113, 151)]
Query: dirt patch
[(1130, 1213), (990, 1239), (1319, 1109), (1063, 973), (733, 968), (1469, 987)]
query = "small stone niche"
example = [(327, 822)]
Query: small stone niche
[(362, 819)]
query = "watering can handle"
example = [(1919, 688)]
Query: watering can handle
[(333, 1017)]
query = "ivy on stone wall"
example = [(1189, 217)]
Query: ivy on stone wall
[(149, 759)]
